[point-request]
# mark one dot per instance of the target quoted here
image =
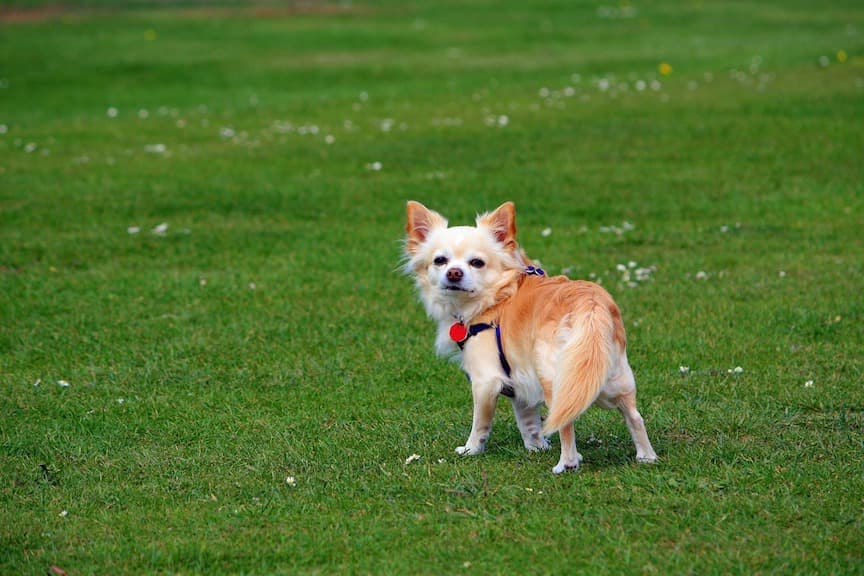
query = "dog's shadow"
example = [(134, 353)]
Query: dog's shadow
[(606, 447)]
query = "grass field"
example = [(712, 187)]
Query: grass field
[(209, 362)]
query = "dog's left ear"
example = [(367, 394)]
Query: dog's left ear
[(502, 223), (421, 221)]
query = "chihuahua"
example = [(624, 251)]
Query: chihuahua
[(520, 333)]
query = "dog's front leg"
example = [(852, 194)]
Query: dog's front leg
[(485, 393)]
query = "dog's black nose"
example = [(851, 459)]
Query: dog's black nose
[(455, 275)]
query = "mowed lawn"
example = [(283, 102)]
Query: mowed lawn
[(210, 362)]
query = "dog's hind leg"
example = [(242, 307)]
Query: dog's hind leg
[(620, 393), (528, 420), (570, 457), (626, 404)]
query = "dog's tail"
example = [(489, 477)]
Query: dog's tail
[(586, 358)]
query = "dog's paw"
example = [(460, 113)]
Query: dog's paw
[(565, 465), (650, 459), (541, 444), (561, 468), (469, 450)]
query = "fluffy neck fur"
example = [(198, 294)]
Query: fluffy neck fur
[(449, 307)]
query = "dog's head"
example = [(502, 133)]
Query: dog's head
[(461, 270)]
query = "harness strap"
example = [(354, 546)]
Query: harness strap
[(504, 364), (475, 329)]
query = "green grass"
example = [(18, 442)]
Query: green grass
[(268, 333)]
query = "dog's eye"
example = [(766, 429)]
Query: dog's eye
[(440, 261), (476, 263)]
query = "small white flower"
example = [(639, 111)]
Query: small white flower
[(64, 513), (808, 384), (329, 139), (640, 85), (374, 166), (701, 275), (112, 112), (252, 286), (202, 281), (283, 127), (156, 148), (38, 381), (782, 274), (30, 147), (3, 129), (121, 400), (503, 120), (227, 133), (133, 229), (684, 369), (291, 481), (546, 232), (63, 383), (736, 370), (412, 458), (824, 61), (143, 114), (160, 229)]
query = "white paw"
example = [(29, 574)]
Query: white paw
[(469, 450), (567, 465), (537, 445), (561, 468), (646, 459)]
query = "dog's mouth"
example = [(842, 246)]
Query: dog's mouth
[(456, 288)]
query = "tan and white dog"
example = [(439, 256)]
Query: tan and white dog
[(520, 333)]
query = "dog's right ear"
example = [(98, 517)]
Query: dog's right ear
[(421, 221)]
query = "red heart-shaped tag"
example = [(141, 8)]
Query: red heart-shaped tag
[(458, 332)]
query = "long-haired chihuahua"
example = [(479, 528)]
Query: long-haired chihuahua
[(520, 333)]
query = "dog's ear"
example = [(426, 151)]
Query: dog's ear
[(502, 223), (421, 221)]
